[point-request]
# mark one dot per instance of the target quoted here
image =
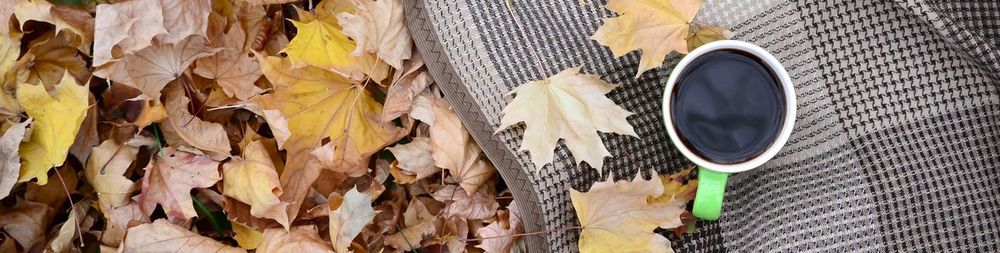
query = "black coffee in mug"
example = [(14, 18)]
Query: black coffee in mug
[(727, 106)]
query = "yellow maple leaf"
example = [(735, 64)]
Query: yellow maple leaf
[(320, 104), (619, 216), (569, 106), (253, 180), (655, 27), (56, 122), (321, 43)]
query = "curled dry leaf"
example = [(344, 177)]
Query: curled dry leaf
[(68, 231), (153, 67), (10, 162), (300, 239), (348, 215), (414, 161), (604, 229), (454, 150), (169, 179), (419, 223), (125, 27), (413, 80), (118, 221), (569, 106), (204, 135), (42, 11), (163, 236), (254, 181), (104, 170), (25, 222), (57, 120), (233, 69), (478, 206), (377, 27), (49, 57), (500, 234)]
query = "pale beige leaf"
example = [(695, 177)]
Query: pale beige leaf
[(63, 240), (253, 180), (204, 135), (413, 80), (348, 215), (605, 229), (10, 161), (169, 179), (185, 18), (419, 224), (378, 28), (125, 26), (569, 106), (118, 220), (501, 236), (25, 222), (415, 158), (478, 206), (234, 71), (301, 239), (104, 171), (454, 150), (153, 67), (162, 236)]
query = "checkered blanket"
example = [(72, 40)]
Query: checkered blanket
[(896, 145)]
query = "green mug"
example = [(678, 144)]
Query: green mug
[(712, 176)]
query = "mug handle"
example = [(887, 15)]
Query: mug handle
[(708, 198)]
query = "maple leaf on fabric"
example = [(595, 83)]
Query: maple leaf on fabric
[(104, 171), (57, 120), (705, 34), (253, 180), (620, 217), (655, 27), (300, 239), (569, 106), (163, 236), (348, 215), (169, 178), (377, 27), (320, 104), (10, 162)]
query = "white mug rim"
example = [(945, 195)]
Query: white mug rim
[(787, 88)]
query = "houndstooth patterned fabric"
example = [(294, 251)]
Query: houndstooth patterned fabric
[(896, 145)]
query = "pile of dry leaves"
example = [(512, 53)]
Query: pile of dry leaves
[(268, 125)]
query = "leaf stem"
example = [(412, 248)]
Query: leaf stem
[(72, 206), (406, 239), (524, 36)]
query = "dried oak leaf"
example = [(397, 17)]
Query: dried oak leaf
[(606, 229), (169, 178), (57, 120), (10, 162), (163, 236), (377, 27), (348, 215), (569, 106), (655, 27), (253, 180)]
